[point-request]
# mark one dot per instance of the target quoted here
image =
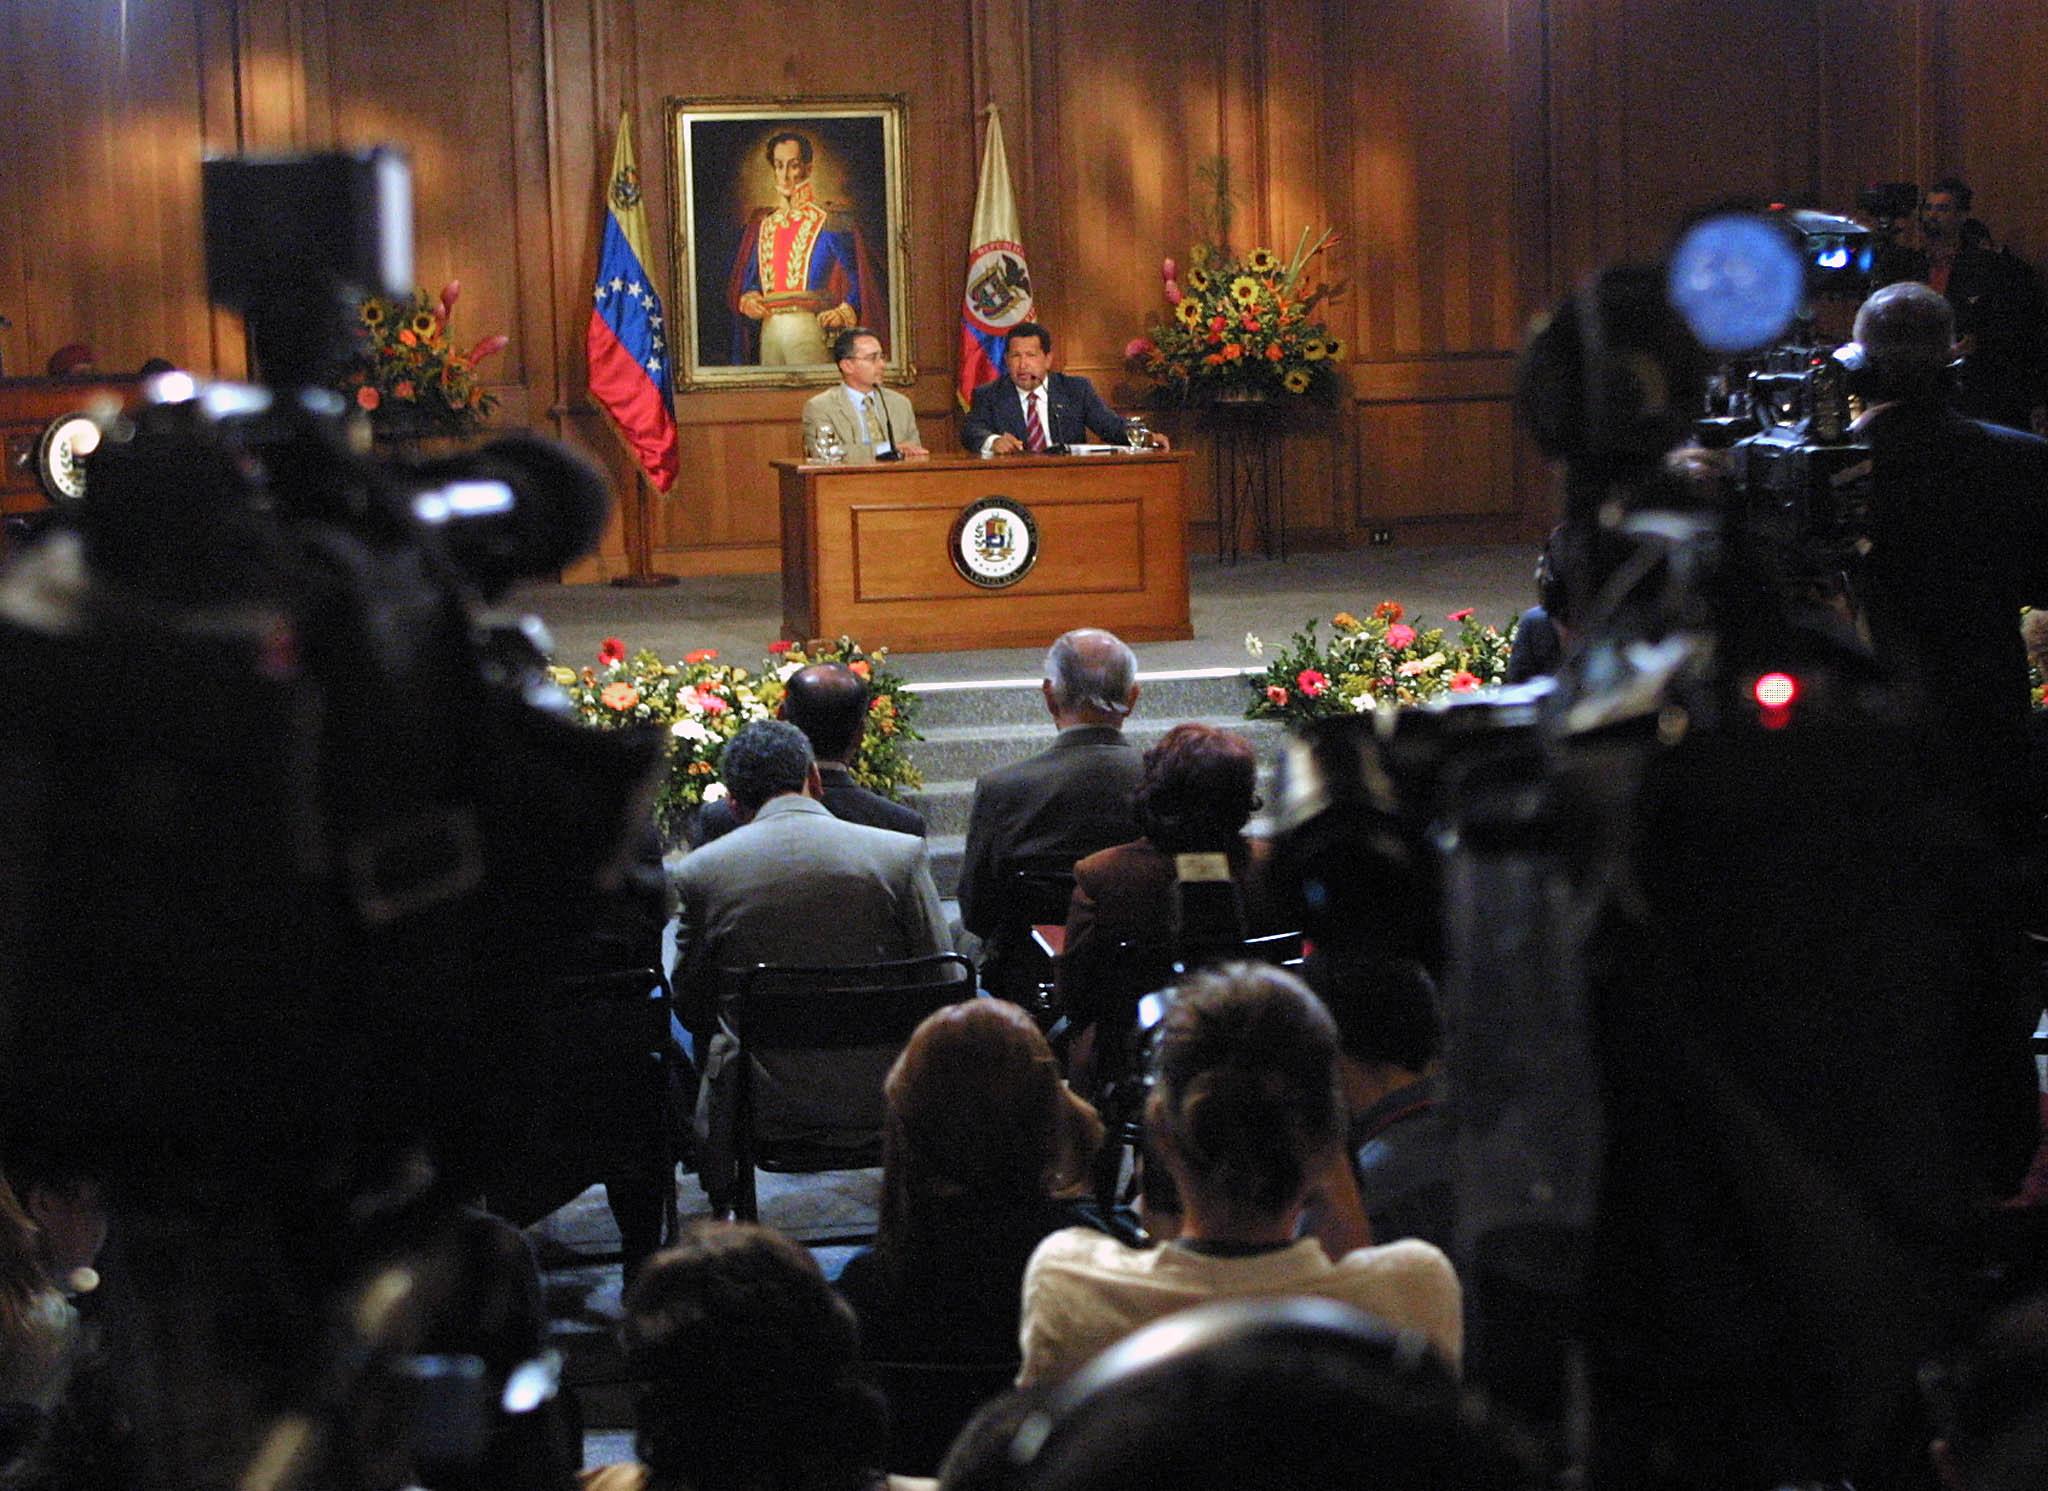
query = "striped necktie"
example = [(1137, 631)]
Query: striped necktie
[(1034, 429), (873, 418)]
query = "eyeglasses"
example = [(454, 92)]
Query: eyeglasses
[(862, 357)]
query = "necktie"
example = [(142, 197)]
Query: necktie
[(1034, 428), (874, 420)]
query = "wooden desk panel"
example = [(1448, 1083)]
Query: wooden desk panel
[(866, 551)]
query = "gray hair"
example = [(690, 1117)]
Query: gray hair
[(1908, 333), (766, 759), (1089, 668)]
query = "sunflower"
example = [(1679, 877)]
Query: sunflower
[(1315, 349), (1337, 348), (1244, 289), (1262, 261), (373, 313), (1296, 381), (1198, 279), (1188, 313), (423, 324)]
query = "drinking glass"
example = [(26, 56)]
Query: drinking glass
[(1137, 434)]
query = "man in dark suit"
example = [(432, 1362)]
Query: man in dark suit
[(829, 703), (2002, 372), (794, 885), (1058, 806), (1034, 408)]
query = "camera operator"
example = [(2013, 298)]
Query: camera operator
[(1958, 542), (2003, 371)]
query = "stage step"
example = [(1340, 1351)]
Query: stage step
[(972, 728)]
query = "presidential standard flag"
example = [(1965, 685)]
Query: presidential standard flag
[(998, 279), (627, 344)]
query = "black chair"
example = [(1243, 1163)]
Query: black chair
[(859, 1016), (611, 1068), (930, 1403), (1036, 893)]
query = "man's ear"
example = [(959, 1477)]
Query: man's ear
[(741, 813), (1045, 688), (1131, 699), (814, 784)]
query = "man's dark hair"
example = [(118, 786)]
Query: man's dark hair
[(1385, 1008), (1030, 329), (766, 759), (803, 146), (1955, 187), (751, 1365), (829, 703), (843, 344)]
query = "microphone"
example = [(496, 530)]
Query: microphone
[(894, 452)]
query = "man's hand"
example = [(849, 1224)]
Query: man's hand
[(1007, 445), (1160, 442), (753, 307), (913, 452), (841, 315)]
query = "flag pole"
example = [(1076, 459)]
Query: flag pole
[(641, 573)]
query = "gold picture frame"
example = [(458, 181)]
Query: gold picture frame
[(823, 178)]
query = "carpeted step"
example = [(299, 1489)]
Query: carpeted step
[(1192, 694)]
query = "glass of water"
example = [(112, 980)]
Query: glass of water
[(825, 446), (1137, 434)]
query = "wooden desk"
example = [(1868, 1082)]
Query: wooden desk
[(866, 551)]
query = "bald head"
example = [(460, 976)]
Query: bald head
[(829, 703), (1091, 678), (1908, 334)]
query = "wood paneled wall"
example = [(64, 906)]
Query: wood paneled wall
[(1477, 157)]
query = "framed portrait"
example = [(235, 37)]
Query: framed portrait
[(791, 224)]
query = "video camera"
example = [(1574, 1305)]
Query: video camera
[(289, 826)]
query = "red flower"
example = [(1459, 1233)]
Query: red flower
[(860, 667), (610, 650), (1462, 682), (368, 397), (402, 389), (1389, 611), (1233, 351), (777, 649), (702, 655), (1274, 353), (1249, 322), (1276, 695), (1399, 636), (620, 696), (1460, 616), (1312, 683), (1218, 323)]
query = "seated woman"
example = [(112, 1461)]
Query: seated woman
[(1194, 798), (1246, 1116), (981, 1138), (751, 1372)]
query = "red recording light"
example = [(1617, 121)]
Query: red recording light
[(1776, 690)]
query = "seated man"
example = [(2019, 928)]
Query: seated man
[(1034, 408), (829, 703), (1061, 805), (793, 885), (1390, 1064), (873, 423)]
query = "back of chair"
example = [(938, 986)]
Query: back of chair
[(863, 1013)]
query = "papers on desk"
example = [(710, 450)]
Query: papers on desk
[(1099, 450)]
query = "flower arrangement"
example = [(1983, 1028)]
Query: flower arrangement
[(705, 703), (1241, 326), (406, 374), (1379, 660)]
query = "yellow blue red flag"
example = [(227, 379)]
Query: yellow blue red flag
[(998, 276), (626, 345)]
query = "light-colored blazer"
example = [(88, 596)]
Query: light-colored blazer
[(835, 407)]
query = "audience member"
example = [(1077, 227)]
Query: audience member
[(982, 1139), (796, 886), (1390, 1061), (829, 703), (1194, 796), (1058, 806), (1246, 1115), (1543, 633), (751, 1371), (2001, 368), (1242, 1394)]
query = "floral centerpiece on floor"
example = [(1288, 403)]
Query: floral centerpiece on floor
[(408, 377), (1241, 326), (1380, 660), (705, 703)]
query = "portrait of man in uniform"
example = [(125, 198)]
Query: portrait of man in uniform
[(789, 233)]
